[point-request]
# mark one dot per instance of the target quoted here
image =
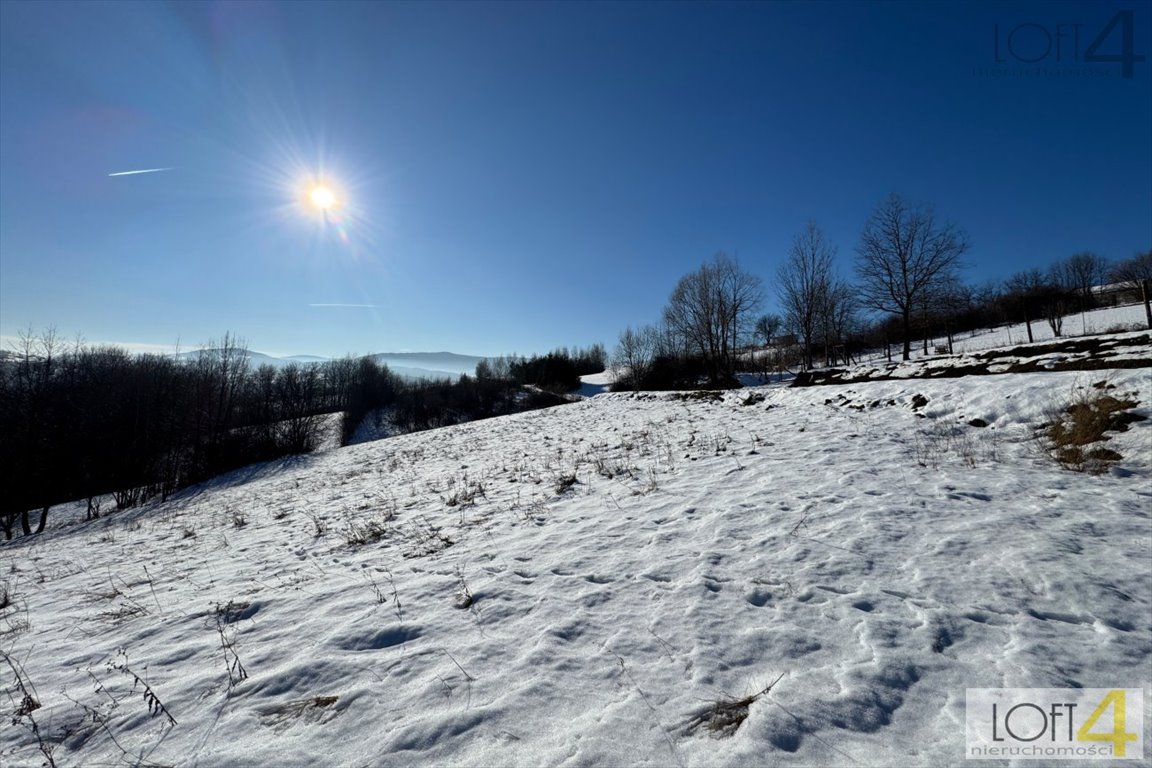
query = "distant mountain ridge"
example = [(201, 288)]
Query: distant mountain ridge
[(440, 364)]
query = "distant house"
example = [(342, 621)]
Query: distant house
[(786, 340), (1116, 294)]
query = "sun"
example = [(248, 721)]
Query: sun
[(322, 197)]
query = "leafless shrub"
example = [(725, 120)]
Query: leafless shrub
[(123, 607), (93, 508), (426, 538), (359, 531), (940, 444), (26, 706), (380, 597), (99, 713), (15, 615), (128, 497), (464, 597), (152, 588), (16, 622), (226, 615), (465, 493), (128, 609), (396, 606), (801, 524), (534, 511), (155, 705)]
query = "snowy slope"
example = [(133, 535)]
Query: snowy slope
[(576, 586), (1098, 321)]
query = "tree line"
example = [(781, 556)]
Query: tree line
[(86, 422), (907, 286), (558, 371)]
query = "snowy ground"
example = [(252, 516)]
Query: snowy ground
[(578, 586), (1106, 320), (1083, 353)]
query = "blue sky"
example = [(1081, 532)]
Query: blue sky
[(517, 176)]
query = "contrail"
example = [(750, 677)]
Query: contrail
[(365, 306), (146, 170)]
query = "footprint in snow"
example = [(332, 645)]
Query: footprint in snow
[(375, 641), (1067, 618), (758, 597), (711, 586)]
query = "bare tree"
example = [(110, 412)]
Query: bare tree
[(802, 284), (765, 330), (710, 310), (1136, 274), (1079, 274), (634, 355), (903, 252), (835, 319), (218, 373), (952, 300), (767, 326), (1054, 313), (298, 396), (32, 406), (1024, 293)]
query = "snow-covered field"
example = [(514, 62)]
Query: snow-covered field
[(1097, 321), (581, 586)]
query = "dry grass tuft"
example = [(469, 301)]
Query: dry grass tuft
[(1072, 433), (725, 716), (564, 482), (317, 709)]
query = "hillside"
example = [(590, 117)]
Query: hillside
[(583, 586)]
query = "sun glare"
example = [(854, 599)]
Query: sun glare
[(323, 203), (322, 197)]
